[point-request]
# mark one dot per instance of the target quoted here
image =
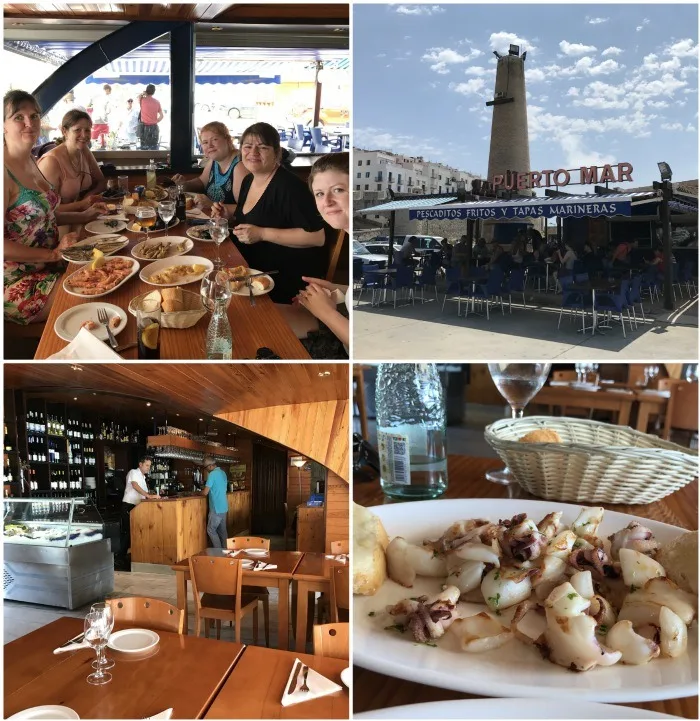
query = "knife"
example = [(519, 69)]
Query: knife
[(250, 294), (75, 639), (255, 275), (295, 675), (126, 346)]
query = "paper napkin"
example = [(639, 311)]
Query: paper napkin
[(163, 714), (265, 567), (85, 346), (318, 686), (196, 213)]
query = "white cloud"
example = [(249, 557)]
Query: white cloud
[(502, 40), (644, 22), (544, 98), (657, 103), (535, 75), (612, 50), (381, 55), (683, 49), (690, 128), (473, 86), (587, 66), (672, 126), (479, 72), (597, 21), (576, 48), (574, 92), (419, 9), (651, 64), (442, 57)]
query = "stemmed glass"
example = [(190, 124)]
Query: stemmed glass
[(518, 383), (146, 217), (166, 210), (106, 611), (215, 289), (219, 231), (97, 631)]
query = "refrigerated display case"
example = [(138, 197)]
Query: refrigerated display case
[(55, 552)]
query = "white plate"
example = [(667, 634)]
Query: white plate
[(256, 291), (68, 323), (92, 241), (170, 240), (46, 712), (133, 640), (159, 265), (256, 552), (192, 233), (100, 227), (151, 232), (134, 269), (511, 708), (346, 676), (515, 669)]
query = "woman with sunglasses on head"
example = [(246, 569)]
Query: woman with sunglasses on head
[(276, 225), (223, 173), (31, 244)]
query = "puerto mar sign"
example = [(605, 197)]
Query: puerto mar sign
[(585, 175)]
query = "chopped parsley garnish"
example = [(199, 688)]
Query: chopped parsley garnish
[(436, 554), (497, 575), (571, 596), (372, 613), (577, 544), (494, 599), (602, 630), (434, 645), (396, 627), (633, 588)]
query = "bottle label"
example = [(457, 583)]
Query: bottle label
[(394, 458)]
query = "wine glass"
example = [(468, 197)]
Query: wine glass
[(215, 289), (518, 383), (146, 217), (97, 632), (166, 210), (219, 231), (106, 611)]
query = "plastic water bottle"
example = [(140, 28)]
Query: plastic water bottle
[(219, 338), (411, 430), (151, 174)]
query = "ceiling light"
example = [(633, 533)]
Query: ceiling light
[(177, 414), (148, 404), (298, 461), (201, 419)]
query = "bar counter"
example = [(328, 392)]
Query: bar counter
[(166, 530)]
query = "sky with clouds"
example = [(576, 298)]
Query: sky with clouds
[(605, 83)]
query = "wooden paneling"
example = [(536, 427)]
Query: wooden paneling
[(310, 535), (337, 510), (316, 430), (238, 516), (179, 442)]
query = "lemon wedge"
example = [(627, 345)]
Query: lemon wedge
[(99, 259), (198, 268), (149, 336)]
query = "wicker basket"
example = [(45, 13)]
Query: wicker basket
[(193, 310), (595, 463)]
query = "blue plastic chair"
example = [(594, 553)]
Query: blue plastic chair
[(454, 287), (650, 282), (581, 278), (303, 134), (402, 279), (515, 284), (492, 288), (634, 296), (318, 144), (687, 276), (358, 269), (676, 274), (427, 277), (573, 300), (615, 303), (370, 279)]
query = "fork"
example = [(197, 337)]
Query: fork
[(102, 317), (251, 296), (304, 686)]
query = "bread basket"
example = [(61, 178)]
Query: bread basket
[(192, 311), (595, 462)]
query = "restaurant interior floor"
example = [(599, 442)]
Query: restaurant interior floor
[(22, 618)]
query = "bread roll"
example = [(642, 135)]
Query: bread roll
[(261, 282), (680, 560), (236, 285), (240, 271), (542, 435), (189, 203), (369, 544), (173, 300), (128, 202), (136, 197)]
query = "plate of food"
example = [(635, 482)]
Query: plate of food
[(131, 203), (69, 323), (240, 276), (158, 227), (169, 272), (526, 598), (200, 232), (112, 213), (83, 250), (162, 248), (100, 278), (105, 227), (113, 193)]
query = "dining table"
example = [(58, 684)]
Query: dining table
[(564, 397), (259, 680), (252, 327), (279, 578), (467, 480)]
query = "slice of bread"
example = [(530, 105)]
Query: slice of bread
[(172, 299), (261, 282), (542, 435), (369, 544), (680, 560)]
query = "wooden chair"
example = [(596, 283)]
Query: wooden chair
[(335, 252), (289, 525), (340, 591), (215, 578), (332, 640), (564, 376), (682, 411), (338, 547), (240, 543), (147, 613)]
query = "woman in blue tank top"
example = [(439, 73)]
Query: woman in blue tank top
[(223, 173)]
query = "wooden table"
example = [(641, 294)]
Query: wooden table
[(279, 578), (620, 403), (650, 402), (185, 674), (252, 328), (259, 679), (313, 574), (466, 480)]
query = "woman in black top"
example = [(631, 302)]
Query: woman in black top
[(276, 225)]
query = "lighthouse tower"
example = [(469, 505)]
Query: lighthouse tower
[(510, 148)]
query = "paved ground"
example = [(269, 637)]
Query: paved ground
[(422, 331)]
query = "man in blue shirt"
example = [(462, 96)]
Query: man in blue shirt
[(215, 488)]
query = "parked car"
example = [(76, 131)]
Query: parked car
[(381, 248), (360, 252)]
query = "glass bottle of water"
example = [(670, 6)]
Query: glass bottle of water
[(219, 338), (411, 430)]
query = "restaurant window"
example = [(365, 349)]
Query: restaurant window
[(359, 162), (366, 187), (379, 175), (359, 175), (367, 175), (379, 186), (357, 187), (399, 180), (126, 77)]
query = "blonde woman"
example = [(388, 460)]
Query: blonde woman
[(223, 173)]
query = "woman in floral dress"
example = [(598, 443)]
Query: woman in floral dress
[(32, 250)]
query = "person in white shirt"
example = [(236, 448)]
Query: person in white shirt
[(136, 491)]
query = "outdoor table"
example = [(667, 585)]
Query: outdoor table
[(279, 578), (183, 673), (312, 574), (259, 679), (650, 402), (566, 397), (251, 327), (374, 690), (591, 286)]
